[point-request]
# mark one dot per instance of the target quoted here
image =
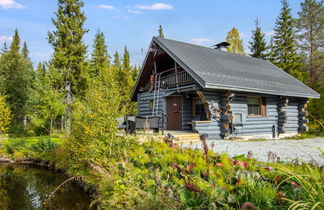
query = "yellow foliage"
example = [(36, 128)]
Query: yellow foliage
[(236, 43), (4, 115)]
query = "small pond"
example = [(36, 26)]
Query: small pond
[(26, 187)]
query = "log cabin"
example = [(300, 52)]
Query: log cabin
[(218, 93)]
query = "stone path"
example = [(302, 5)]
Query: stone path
[(306, 149)]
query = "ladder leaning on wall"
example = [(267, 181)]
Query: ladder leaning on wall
[(156, 95)]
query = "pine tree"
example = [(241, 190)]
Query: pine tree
[(258, 45), (161, 34), (310, 28), (69, 48), (236, 43), (284, 43), (100, 57)]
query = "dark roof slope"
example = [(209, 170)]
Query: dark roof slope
[(215, 69)]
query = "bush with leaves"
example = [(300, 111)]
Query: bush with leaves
[(4, 116), (93, 130), (48, 101)]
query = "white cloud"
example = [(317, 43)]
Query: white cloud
[(269, 33), (135, 11), (10, 4), (157, 6), (42, 55), (200, 41), (5, 38), (243, 35), (122, 17), (105, 6)]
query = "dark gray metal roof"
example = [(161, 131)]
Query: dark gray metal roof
[(215, 69)]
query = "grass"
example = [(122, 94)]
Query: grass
[(57, 139), (38, 147)]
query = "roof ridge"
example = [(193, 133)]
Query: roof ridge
[(218, 51)]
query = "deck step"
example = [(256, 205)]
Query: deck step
[(188, 137), (185, 138)]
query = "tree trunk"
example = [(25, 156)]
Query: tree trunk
[(51, 129), (62, 122)]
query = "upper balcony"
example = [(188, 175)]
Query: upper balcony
[(169, 79), (173, 78)]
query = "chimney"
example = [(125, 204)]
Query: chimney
[(222, 46)]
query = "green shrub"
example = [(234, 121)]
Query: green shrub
[(43, 146), (15, 144)]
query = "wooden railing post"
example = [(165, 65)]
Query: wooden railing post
[(176, 75)]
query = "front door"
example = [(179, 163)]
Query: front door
[(174, 112)]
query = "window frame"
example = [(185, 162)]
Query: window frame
[(194, 114), (151, 104), (262, 107)]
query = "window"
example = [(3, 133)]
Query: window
[(151, 104), (237, 118), (256, 106), (198, 109)]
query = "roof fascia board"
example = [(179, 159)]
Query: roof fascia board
[(200, 81), (254, 90), (142, 69), (295, 79)]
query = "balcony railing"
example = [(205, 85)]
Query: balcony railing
[(176, 79)]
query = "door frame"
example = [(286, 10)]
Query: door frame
[(181, 110)]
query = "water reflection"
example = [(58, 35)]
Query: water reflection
[(24, 187)]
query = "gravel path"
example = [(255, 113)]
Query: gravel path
[(287, 150)]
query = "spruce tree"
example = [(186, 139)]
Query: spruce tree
[(69, 48), (16, 72), (284, 43), (310, 32), (116, 60), (160, 31), (100, 57), (236, 43), (124, 76), (25, 51), (4, 48), (126, 59), (258, 45)]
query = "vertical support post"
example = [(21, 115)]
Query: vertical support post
[(176, 74), (127, 125), (163, 115)]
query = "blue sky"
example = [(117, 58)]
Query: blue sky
[(134, 22)]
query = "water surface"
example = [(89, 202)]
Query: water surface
[(25, 187)]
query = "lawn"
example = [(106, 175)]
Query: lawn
[(57, 139)]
